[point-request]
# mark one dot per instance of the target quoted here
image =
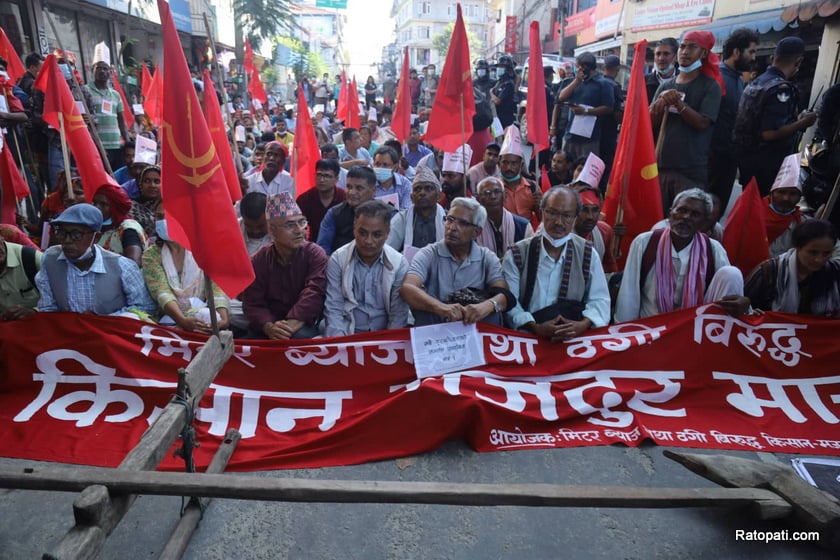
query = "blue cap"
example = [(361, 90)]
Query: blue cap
[(790, 46), (82, 214)]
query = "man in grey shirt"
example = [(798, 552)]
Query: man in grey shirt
[(447, 268), (364, 277)]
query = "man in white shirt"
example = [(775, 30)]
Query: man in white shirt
[(273, 180), (679, 267), (557, 276)]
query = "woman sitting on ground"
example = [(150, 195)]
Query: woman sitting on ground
[(120, 234), (143, 209), (804, 279), (178, 285)]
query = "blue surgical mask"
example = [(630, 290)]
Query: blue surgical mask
[(513, 179), (500, 73), (85, 256), (108, 222), (697, 64), (481, 72), (65, 71), (383, 173), (161, 230)]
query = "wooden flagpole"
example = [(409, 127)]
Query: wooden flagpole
[(463, 143), (66, 155)]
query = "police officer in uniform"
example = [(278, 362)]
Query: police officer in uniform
[(482, 84), (503, 92), (768, 117)]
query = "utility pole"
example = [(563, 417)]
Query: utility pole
[(561, 13)]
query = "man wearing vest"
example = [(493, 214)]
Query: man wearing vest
[(678, 267), (82, 277), (18, 266), (767, 121), (556, 276), (337, 225), (364, 277)]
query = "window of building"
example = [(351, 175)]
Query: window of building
[(426, 8), (424, 32)]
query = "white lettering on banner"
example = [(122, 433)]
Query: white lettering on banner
[(509, 440), (660, 435), (829, 443), (799, 443), (747, 401), (103, 378), (691, 435), (717, 328), (736, 439), (541, 388), (278, 419), (334, 354), (171, 344), (624, 436), (509, 348), (620, 338), (585, 435)]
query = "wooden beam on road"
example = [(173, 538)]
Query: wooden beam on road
[(391, 492)]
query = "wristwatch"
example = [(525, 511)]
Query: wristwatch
[(496, 305)]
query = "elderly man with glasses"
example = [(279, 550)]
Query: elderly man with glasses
[(456, 279), (80, 276), (557, 276), (286, 299), (503, 228)]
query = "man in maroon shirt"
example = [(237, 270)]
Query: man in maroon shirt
[(286, 299), (314, 203)]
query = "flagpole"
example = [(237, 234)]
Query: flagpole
[(20, 157), (211, 304), (95, 136), (463, 142), (66, 156), (219, 76)]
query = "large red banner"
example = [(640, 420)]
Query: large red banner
[(82, 389)]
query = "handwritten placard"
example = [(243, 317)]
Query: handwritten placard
[(446, 347)]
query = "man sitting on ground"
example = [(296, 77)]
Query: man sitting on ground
[(364, 277), (503, 228), (252, 223), (422, 223), (337, 225), (315, 203)]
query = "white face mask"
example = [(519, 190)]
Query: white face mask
[(556, 243)]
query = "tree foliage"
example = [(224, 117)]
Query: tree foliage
[(440, 42), (261, 20)]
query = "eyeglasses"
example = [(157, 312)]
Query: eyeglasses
[(455, 222), (291, 225), (492, 192), (555, 215), (74, 234)]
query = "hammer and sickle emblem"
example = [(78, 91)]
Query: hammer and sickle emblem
[(74, 122), (191, 161)]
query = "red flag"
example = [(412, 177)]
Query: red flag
[(248, 61), (545, 182), (353, 120), (745, 234), (198, 206), (401, 123), (153, 99), (14, 66), (216, 124), (536, 111), (305, 150), (14, 186), (128, 115), (256, 89), (341, 102), (145, 82), (59, 101), (450, 122), (633, 195)]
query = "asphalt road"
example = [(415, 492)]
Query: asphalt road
[(32, 522)]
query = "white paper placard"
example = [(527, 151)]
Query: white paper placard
[(446, 347), (107, 107), (81, 107), (393, 199), (137, 108), (145, 150), (257, 104), (496, 128), (231, 110), (583, 125), (101, 53)]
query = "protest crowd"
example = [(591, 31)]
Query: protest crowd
[(412, 213)]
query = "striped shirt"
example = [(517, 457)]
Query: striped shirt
[(107, 125)]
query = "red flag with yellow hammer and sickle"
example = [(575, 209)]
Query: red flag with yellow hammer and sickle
[(199, 211), (59, 101)]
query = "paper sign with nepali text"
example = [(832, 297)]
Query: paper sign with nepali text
[(78, 388)]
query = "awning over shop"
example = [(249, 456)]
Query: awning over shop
[(598, 46), (762, 22)]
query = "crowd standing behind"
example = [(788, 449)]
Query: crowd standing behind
[(397, 234)]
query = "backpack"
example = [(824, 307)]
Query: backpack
[(27, 257), (746, 131)]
